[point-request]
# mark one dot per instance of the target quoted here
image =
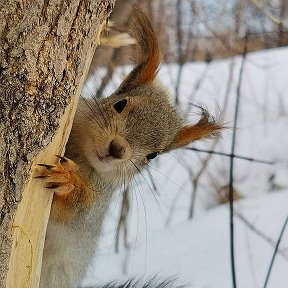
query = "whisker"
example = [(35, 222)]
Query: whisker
[(138, 219), (157, 201), (121, 173), (145, 217), (162, 174), (152, 181)]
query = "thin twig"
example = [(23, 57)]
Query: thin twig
[(179, 36), (230, 155), (259, 233), (122, 222), (275, 252), (154, 186), (195, 182), (196, 178), (231, 172)]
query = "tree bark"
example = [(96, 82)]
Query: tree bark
[(45, 51)]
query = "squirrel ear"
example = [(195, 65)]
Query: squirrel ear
[(148, 56), (204, 128)]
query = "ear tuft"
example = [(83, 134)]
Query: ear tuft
[(148, 56), (206, 127)]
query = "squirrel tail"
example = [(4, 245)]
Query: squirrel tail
[(151, 283)]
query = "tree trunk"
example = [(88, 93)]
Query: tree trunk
[(45, 52)]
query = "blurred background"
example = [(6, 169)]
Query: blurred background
[(174, 220)]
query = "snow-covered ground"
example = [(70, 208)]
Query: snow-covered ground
[(162, 241)]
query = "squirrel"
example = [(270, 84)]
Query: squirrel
[(111, 140)]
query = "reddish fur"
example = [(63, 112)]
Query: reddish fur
[(192, 133), (203, 129)]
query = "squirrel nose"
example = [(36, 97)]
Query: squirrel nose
[(116, 149)]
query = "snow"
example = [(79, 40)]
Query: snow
[(162, 241)]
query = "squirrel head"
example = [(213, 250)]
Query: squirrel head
[(135, 124)]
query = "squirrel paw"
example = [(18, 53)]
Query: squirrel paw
[(57, 177)]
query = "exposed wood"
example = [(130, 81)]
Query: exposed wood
[(30, 222), (46, 48)]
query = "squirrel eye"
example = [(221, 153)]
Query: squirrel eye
[(151, 155), (120, 105)]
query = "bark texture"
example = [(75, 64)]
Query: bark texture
[(45, 51)]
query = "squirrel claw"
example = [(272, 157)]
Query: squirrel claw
[(41, 176), (47, 166), (57, 176), (52, 185)]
